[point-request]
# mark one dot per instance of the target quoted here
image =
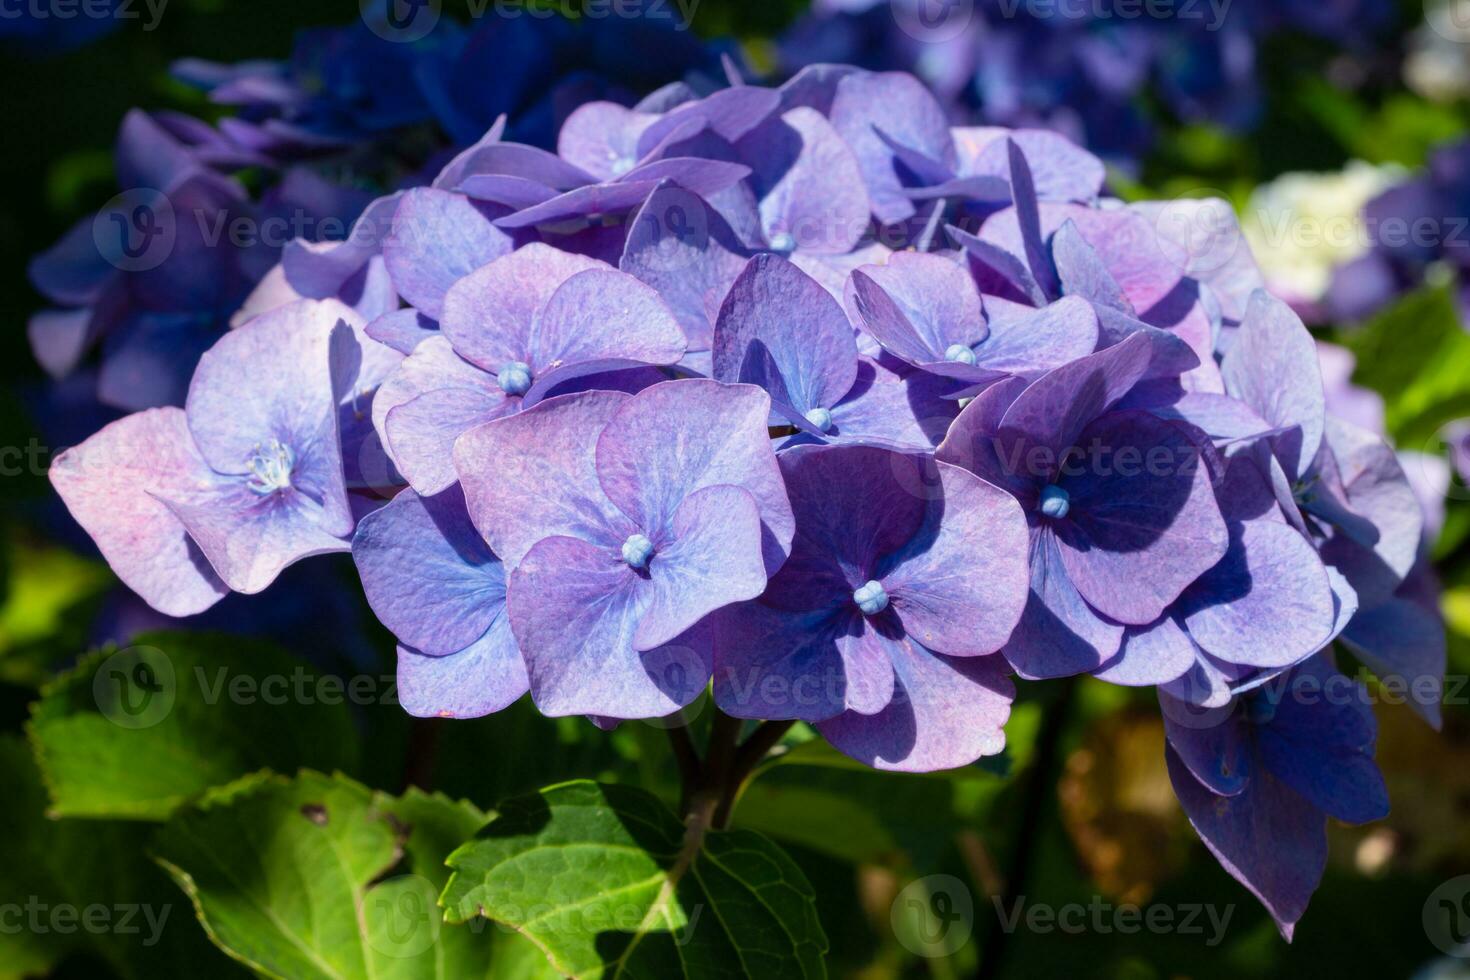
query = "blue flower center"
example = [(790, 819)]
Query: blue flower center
[(270, 467), (1056, 503), (821, 418), (514, 377), (960, 354), (637, 551), (871, 598), (783, 242)]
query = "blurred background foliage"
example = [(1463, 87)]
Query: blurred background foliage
[(1078, 807)]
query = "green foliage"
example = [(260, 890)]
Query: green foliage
[(320, 877), (137, 732), (609, 883)]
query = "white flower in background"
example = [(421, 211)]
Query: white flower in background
[(1438, 64), (1302, 226)]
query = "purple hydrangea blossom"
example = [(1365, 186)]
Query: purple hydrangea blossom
[(626, 520), (881, 626), (221, 495)]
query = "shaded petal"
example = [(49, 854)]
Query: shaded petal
[(960, 584), (918, 306), (1272, 366), (808, 181), (1404, 644), (1141, 530), (777, 315), (682, 247), (1268, 603), (904, 109), (1059, 635), (111, 485), (775, 664), (427, 574), (1267, 837), (945, 713)]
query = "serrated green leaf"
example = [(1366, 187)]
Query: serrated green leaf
[(609, 884), (135, 734), (319, 877)]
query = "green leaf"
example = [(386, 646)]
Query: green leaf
[(1414, 354), (54, 871), (320, 877), (137, 733), (608, 883)]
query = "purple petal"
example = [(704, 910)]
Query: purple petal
[(1059, 634), (775, 664), (961, 583), (427, 574), (1272, 366), (1053, 411), (272, 380), (402, 330), (1141, 529), (680, 246), (602, 138), (777, 314), (711, 558), (1150, 655), (489, 315), (250, 538), (1082, 271), (884, 408), (1404, 644), (485, 677), (319, 270), (600, 320), (1267, 604), (674, 438), (574, 607), (1029, 343), (421, 433), (945, 713), (908, 113), (438, 238), (1267, 837), (810, 187), (1060, 170), (534, 475), (918, 306), (111, 484)]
